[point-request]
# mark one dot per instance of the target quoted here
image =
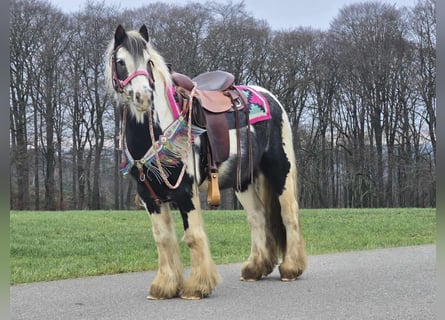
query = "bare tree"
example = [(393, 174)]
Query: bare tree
[(371, 38), (232, 40), (51, 47), (423, 26), (324, 78), (34, 53), (96, 23), (77, 112)]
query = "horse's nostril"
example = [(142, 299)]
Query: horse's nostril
[(138, 97)]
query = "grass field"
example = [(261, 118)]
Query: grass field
[(56, 245)]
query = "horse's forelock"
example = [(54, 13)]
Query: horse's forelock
[(135, 44)]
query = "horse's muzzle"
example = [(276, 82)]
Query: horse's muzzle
[(141, 99)]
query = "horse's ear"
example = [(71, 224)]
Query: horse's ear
[(144, 32), (170, 67), (119, 36)]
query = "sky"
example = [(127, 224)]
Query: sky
[(280, 14)]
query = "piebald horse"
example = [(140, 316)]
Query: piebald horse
[(140, 81)]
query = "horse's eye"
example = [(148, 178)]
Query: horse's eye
[(121, 69)]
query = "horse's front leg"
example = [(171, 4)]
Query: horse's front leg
[(169, 279), (203, 273)]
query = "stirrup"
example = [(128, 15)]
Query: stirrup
[(213, 195)]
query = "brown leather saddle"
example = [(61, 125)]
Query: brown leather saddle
[(217, 95)]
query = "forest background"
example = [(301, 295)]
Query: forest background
[(361, 97)]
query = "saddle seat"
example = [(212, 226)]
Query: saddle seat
[(214, 81), (210, 81), (214, 89)]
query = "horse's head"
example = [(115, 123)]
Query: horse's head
[(134, 69)]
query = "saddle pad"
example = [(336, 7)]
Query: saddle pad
[(259, 109)]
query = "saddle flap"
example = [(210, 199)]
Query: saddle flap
[(218, 135), (214, 101)]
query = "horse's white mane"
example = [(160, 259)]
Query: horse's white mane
[(161, 72)]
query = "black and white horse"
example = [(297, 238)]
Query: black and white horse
[(141, 82)]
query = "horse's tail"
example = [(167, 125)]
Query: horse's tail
[(274, 221)]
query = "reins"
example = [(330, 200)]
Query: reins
[(162, 140)]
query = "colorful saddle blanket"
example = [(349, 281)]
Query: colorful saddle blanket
[(259, 109)]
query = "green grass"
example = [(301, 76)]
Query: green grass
[(56, 245)]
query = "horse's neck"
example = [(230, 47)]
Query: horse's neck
[(163, 111), (137, 137)]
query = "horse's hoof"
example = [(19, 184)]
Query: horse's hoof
[(191, 297), (248, 279), (288, 279), (289, 272), (194, 295), (150, 297)]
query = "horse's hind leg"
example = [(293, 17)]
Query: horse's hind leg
[(263, 255), (169, 279), (294, 255), (203, 273)]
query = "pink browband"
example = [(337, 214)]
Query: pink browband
[(119, 85)]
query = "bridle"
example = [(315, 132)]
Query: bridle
[(119, 85)]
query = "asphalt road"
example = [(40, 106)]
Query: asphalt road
[(398, 283)]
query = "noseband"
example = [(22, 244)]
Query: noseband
[(119, 85)]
